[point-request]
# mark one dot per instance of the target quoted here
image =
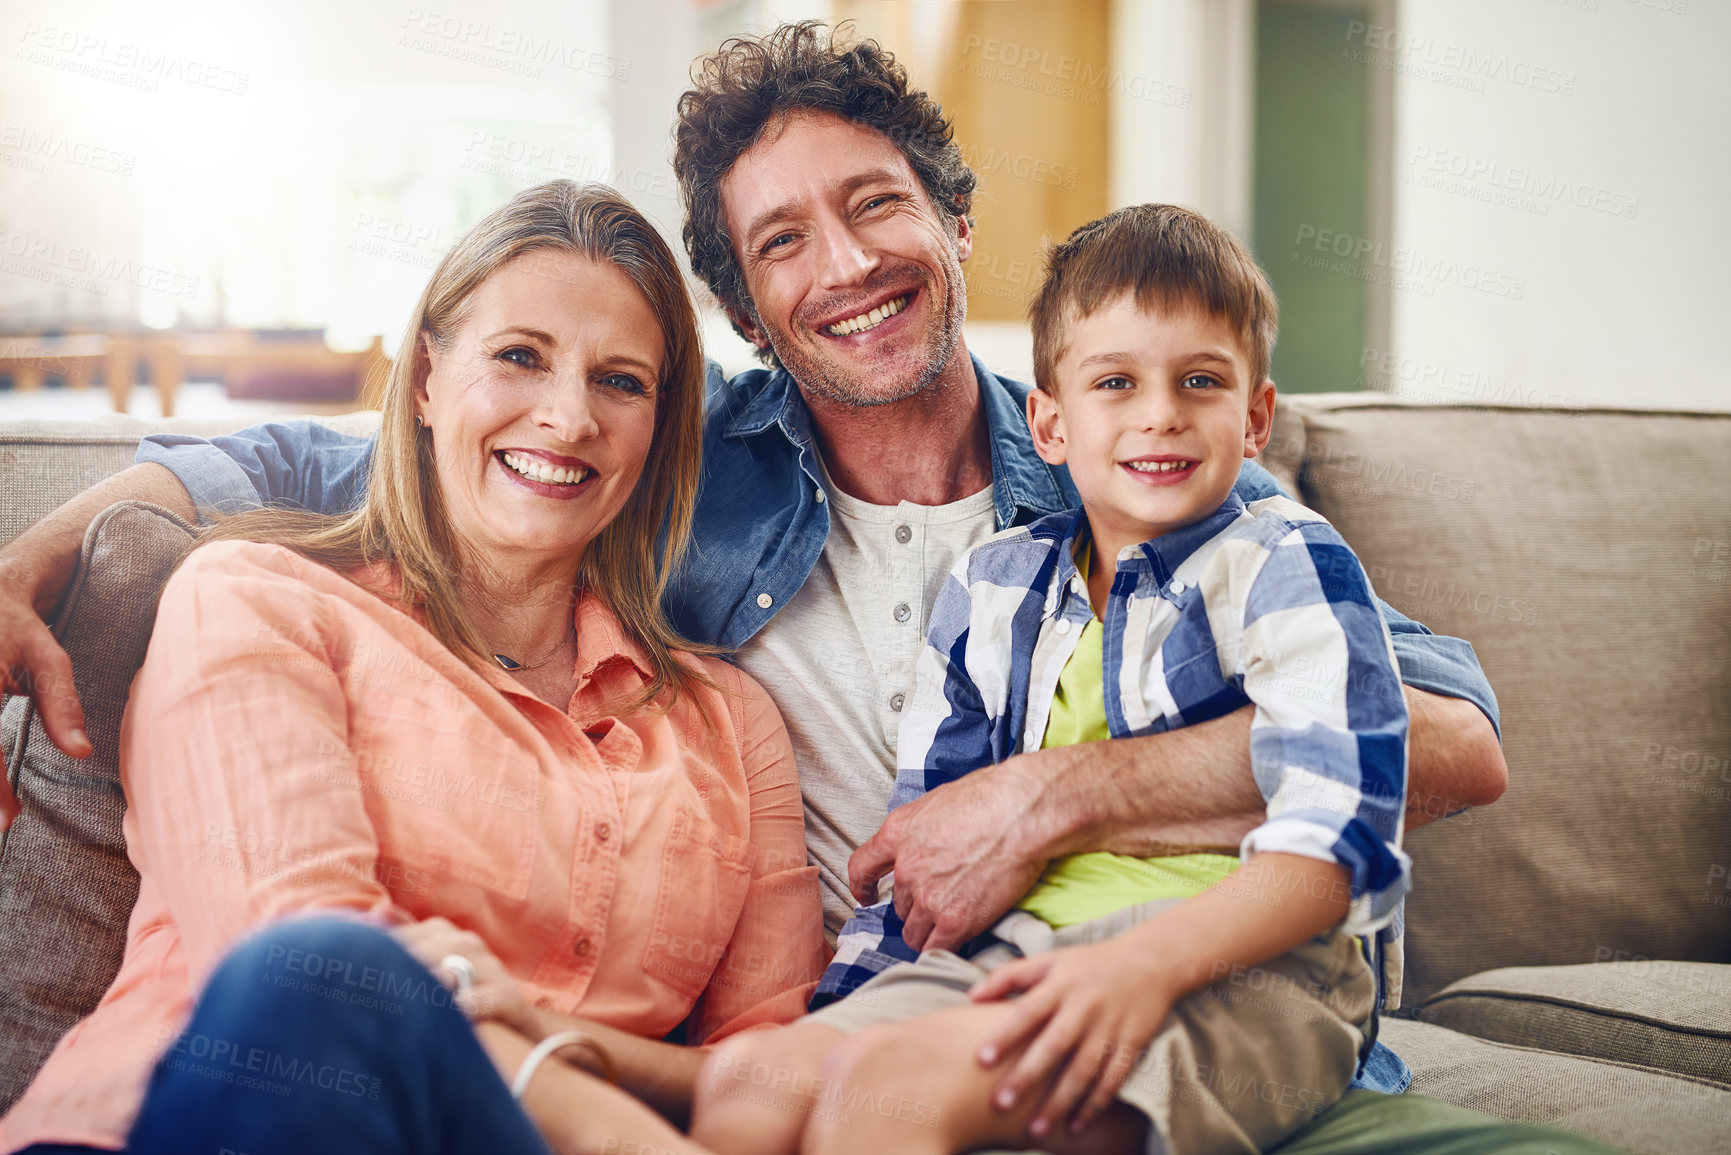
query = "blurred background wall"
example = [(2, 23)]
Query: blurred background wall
[(1474, 200)]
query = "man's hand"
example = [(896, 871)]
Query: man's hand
[(33, 665), (1086, 1013), (960, 855), (34, 570)]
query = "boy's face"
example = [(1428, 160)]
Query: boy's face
[(1154, 414)]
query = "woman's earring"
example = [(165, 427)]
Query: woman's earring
[(419, 423)]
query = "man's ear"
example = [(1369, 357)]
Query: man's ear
[(1259, 419), (1046, 423), (964, 238), (748, 325)]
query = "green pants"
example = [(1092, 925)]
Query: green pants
[(1368, 1123)]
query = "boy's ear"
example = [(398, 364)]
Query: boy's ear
[(1259, 420), (1046, 423)]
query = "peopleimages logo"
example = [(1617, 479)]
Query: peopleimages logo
[(1402, 267)]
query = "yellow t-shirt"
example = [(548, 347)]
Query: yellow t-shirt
[(1079, 887)]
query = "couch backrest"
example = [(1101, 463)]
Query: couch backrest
[(44, 463), (1587, 558)]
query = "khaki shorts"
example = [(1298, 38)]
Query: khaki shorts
[(1236, 1067)]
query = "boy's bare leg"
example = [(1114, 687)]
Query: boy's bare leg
[(916, 1088), (758, 1089)]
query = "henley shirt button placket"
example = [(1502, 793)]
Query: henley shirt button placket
[(904, 534), (897, 701), (903, 612)]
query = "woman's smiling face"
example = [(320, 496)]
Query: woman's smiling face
[(541, 407)]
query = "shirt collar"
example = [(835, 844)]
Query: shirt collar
[(1020, 480), (602, 639), (1160, 557)]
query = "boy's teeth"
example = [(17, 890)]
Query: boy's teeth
[(1158, 466), (868, 320), (542, 472)]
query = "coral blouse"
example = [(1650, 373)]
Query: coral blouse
[(296, 743)]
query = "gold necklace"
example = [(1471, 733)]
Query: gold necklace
[(514, 666)]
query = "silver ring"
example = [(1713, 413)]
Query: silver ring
[(460, 969)]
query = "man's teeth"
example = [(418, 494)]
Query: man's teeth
[(541, 471), (1158, 466), (869, 320)]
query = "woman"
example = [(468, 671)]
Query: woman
[(457, 711)]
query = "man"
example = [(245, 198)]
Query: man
[(828, 211)]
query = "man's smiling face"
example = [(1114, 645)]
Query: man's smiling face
[(855, 276)]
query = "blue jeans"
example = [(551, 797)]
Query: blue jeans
[(323, 1034)]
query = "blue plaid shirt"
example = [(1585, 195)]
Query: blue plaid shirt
[(1262, 604)]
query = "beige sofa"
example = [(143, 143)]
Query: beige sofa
[(1569, 949)]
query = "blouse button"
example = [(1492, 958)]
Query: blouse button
[(581, 948), (603, 831)]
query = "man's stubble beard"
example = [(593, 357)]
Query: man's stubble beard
[(814, 377)]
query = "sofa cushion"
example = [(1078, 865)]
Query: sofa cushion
[(1670, 1016), (1587, 558), (1647, 1112), (66, 884)]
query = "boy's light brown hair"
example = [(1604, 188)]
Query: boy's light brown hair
[(1171, 258)]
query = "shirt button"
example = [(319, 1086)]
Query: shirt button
[(903, 613), (603, 831), (1177, 587), (1063, 626), (820, 497), (581, 947), (544, 1003), (896, 702), (764, 601), (1029, 740), (904, 534)]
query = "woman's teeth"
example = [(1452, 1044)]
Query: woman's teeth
[(870, 320), (544, 473), (1158, 466)]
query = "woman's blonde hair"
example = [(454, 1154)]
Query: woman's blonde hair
[(403, 519)]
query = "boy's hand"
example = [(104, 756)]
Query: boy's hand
[(1090, 1011)]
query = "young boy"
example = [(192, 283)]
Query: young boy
[(1193, 1002)]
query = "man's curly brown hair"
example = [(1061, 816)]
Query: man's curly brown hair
[(749, 83)]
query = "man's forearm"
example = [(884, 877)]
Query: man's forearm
[(1192, 788), (1186, 789), (39, 562)]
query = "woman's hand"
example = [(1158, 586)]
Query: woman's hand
[(1086, 1012), (494, 993)]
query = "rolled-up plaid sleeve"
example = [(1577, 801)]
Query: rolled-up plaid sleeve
[(1329, 734)]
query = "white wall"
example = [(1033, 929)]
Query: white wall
[(1614, 226), (1620, 310)]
